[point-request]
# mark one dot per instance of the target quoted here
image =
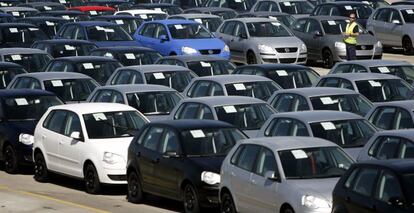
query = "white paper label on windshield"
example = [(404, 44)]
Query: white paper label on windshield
[(66, 17), (327, 100), (13, 30), (328, 125), (62, 1), (178, 26), (331, 22), (33, 29), (275, 23), (281, 73), (99, 117), (239, 86), (130, 56), (198, 20), (21, 101), (299, 154), (69, 47), (104, 29), (348, 7), (158, 9), (3, 4), (88, 66), (205, 64), (16, 57), (230, 109), (238, 1), (198, 133), (47, 8), (119, 21), (15, 13), (37, 101), (143, 16), (272, 17), (158, 75), (93, 12), (375, 83), (57, 83), (410, 11), (383, 69), (109, 55), (49, 23), (287, 3)]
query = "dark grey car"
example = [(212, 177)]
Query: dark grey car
[(392, 115)]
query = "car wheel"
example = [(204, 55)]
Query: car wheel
[(191, 204), (407, 46), (135, 193), (288, 210), (327, 59), (227, 204), (41, 173), (251, 58), (92, 183), (10, 160)]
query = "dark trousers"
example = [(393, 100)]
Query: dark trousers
[(350, 52)]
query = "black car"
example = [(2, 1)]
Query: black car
[(20, 110), (6, 18), (180, 160), (129, 56), (20, 35), (129, 23), (376, 186), (8, 71), (44, 6), (71, 15), (9, 3), (49, 25), (65, 47)]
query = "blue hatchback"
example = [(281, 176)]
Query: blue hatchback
[(180, 37)]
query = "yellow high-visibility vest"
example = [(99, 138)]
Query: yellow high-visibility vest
[(350, 29)]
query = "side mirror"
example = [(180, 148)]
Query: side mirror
[(243, 35), (397, 22), (271, 175), (170, 154), (317, 33), (395, 201), (76, 135), (163, 38)]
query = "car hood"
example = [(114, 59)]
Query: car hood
[(290, 41), (157, 117), (24, 126), (117, 146), (210, 163), (115, 43), (321, 187), (362, 39), (200, 44)]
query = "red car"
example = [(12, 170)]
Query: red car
[(95, 10)]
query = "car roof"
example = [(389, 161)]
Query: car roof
[(142, 11), (81, 59), (253, 19), (187, 124), (228, 79), (17, 50), (23, 92), (16, 9), (114, 17), (289, 143), (86, 108), (44, 18), (361, 76), (406, 104), (65, 41), (215, 101), (125, 49), (188, 58), (4, 64), (69, 12), (317, 91), (401, 7), (323, 18), (44, 76), (210, 9), (405, 133), (398, 165), (270, 67), (343, 3), (376, 62), (92, 7), (262, 13), (195, 15), (317, 116), (93, 23), (42, 3), (173, 21), (155, 68), (17, 25), (132, 88)]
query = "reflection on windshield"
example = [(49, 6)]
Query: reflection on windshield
[(267, 29), (141, 58), (296, 7), (260, 89), (385, 90), (69, 50), (154, 103), (245, 117), (208, 68), (176, 80), (408, 15), (8, 74), (30, 62), (100, 71), (210, 23), (349, 103), (70, 89), (28, 108), (188, 31), (404, 72), (107, 33), (337, 27), (294, 78)]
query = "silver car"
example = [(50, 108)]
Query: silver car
[(297, 8), (261, 40), (392, 115), (281, 174), (394, 26), (211, 22), (323, 35)]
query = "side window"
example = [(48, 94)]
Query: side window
[(216, 89), (169, 142), (324, 10), (54, 122), (329, 82), (248, 157), (265, 162), (200, 89), (346, 84), (343, 68), (395, 16), (148, 30), (68, 32), (274, 7), (127, 77), (388, 187), (58, 66), (236, 154), (299, 25), (188, 111), (364, 183), (351, 178), (286, 127), (383, 117), (206, 113), (403, 120), (117, 98), (385, 148), (72, 124), (246, 71), (358, 68), (406, 149), (103, 96), (312, 26), (159, 31), (239, 29), (383, 15), (262, 6), (152, 138), (289, 103), (80, 35), (229, 28), (27, 83)]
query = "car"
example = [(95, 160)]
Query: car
[(20, 110), (33, 60), (44, 6), (286, 75), (201, 65), (128, 55), (9, 70), (175, 77), (344, 8), (296, 8), (97, 67), (348, 130), (231, 85), (403, 2), (170, 9), (393, 26), (392, 144), (145, 14), (283, 18), (184, 4), (129, 23), (6, 18), (261, 40), (116, 4), (65, 47), (71, 15), (320, 98), (69, 87), (384, 185), (154, 101), (87, 141), (211, 22), (9, 3), (19, 12), (224, 13), (376, 87), (401, 69), (246, 113), (373, 3), (235, 5), (187, 155), (19, 35), (180, 37), (49, 25), (392, 115), (94, 10), (101, 33), (323, 35), (281, 174)]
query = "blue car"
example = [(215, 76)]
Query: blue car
[(101, 33), (20, 111), (180, 37)]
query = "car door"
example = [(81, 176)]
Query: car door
[(388, 193), (226, 34), (379, 25), (237, 43), (359, 197), (289, 103), (395, 27), (145, 37), (286, 127), (312, 40), (384, 117), (162, 46)]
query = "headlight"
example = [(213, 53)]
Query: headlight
[(26, 139), (112, 158), (303, 48), (340, 45), (188, 50), (314, 202), (266, 49), (226, 48), (210, 178), (378, 44)]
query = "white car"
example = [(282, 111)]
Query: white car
[(147, 15), (87, 140)]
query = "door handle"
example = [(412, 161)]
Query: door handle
[(232, 40), (155, 161), (253, 182), (60, 143)]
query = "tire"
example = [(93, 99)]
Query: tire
[(327, 59), (135, 193), (41, 174), (227, 204), (92, 183), (10, 160), (288, 210), (251, 58), (407, 45), (190, 200)]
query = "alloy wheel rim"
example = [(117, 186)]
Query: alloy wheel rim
[(8, 158), (189, 199), (90, 179), (133, 187), (38, 168), (227, 206)]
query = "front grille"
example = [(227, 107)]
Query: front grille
[(364, 47), (287, 50), (274, 61), (287, 60), (117, 177), (301, 59), (210, 52)]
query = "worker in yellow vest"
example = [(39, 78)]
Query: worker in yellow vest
[(351, 33)]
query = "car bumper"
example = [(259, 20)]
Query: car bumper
[(283, 58), (375, 53), (208, 195), (113, 175), (24, 154), (222, 54)]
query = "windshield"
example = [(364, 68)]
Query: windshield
[(22, 14), (188, 31), (319, 162), (355, 103), (405, 72), (225, 14), (287, 20), (362, 11), (58, 50), (208, 68), (337, 27), (20, 34), (51, 27), (259, 89), (152, 17), (294, 78), (376, 3), (28, 107), (296, 7), (129, 25), (210, 23), (100, 71), (408, 15), (385, 90), (345, 133), (138, 58), (107, 33), (246, 116), (408, 182), (176, 80), (267, 29), (113, 124), (8, 74), (30, 62), (70, 89), (154, 103)]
